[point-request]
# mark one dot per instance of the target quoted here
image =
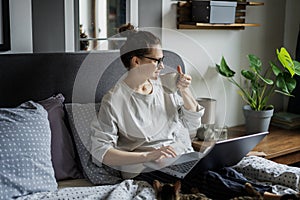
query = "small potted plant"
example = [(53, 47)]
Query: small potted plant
[(263, 84)]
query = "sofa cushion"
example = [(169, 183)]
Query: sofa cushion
[(25, 158), (80, 117), (62, 150)]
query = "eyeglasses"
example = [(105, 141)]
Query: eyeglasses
[(159, 61)]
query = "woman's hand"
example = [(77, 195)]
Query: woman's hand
[(116, 157), (183, 85), (184, 80), (162, 152)]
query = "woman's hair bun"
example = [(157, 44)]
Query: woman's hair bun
[(126, 29)]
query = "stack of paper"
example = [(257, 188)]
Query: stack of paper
[(286, 120)]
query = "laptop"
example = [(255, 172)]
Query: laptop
[(220, 154)]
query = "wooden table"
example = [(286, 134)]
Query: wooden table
[(280, 145)]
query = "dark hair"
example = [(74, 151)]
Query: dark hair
[(138, 43)]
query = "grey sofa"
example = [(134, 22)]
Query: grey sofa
[(81, 78), (39, 75)]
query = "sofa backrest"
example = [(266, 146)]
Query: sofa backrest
[(81, 77)]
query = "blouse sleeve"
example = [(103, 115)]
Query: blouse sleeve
[(191, 120), (104, 132)]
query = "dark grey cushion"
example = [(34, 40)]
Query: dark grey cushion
[(62, 150), (25, 158), (80, 118)]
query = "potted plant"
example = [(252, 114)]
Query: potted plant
[(263, 84)]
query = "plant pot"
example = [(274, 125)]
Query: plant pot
[(257, 121)]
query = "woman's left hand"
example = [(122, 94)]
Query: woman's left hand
[(184, 80)]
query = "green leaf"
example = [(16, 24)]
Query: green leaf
[(224, 69), (275, 69), (290, 82), (286, 60), (280, 83), (284, 93), (255, 62), (248, 75), (266, 80), (286, 83), (297, 67)]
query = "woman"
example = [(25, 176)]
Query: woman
[(138, 122)]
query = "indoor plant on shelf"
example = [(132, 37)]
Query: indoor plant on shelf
[(263, 84)]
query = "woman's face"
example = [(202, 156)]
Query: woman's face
[(149, 66)]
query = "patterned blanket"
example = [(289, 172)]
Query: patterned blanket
[(282, 178), (126, 190)]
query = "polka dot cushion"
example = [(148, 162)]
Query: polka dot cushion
[(80, 117), (283, 178), (25, 159)]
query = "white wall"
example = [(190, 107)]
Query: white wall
[(201, 49), (20, 26), (69, 26)]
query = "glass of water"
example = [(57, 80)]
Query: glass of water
[(220, 132)]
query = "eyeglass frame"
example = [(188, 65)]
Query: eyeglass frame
[(159, 61)]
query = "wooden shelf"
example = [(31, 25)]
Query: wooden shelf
[(184, 17), (238, 26), (250, 3)]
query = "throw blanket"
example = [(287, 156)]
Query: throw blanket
[(282, 178), (128, 189)]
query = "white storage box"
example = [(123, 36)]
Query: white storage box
[(221, 12)]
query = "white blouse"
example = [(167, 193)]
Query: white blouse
[(131, 121)]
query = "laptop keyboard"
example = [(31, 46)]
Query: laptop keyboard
[(183, 167)]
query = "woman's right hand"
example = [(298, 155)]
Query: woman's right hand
[(162, 152), (116, 157)]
